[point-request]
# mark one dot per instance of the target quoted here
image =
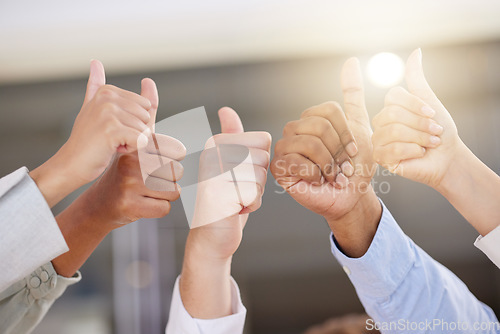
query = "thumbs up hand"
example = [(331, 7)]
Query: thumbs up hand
[(414, 135), (111, 120), (324, 160), (232, 178)]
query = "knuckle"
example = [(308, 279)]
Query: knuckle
[(323, 126), (394, 94), (289, 127), (332, 107), (279, 147), (397, 150), (268, 139), (391, 115), (106, 91), (175, 195), (164, 208)]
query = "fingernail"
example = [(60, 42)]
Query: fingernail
[(436, 128), (351, 149), (428, 111), (347, 169), (435, 140), (342, 180)]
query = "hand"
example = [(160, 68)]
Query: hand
[(120, 196), (221, 212), (416, 138), (311, 161), (414, 135), (224, 200), (111, 120)]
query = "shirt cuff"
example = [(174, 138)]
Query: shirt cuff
[(180, 321), (381, 269), (490, 245), (29, 234)]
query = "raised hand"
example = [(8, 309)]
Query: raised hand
[(224, 201), (414, 135), (111, 120), (324, 160), (120, 196)]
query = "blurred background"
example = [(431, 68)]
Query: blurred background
[(269, 60)]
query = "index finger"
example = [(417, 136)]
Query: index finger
[(140, 100)]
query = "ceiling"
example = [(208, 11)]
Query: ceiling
[(54, 39)]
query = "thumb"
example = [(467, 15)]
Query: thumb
[(415, 79), (97, 79), (230, 122), (149, 91), (351, 82)]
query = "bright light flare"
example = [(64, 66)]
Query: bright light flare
[(385, 69)]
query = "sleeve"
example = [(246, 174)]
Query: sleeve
[(24, 304), (404, 290), (29, 234), (490, 245), (180, 322)]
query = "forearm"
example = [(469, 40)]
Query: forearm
[(83, 230), (474, 190), (54, 179), (397, 281), (205, 284), (354, 231)]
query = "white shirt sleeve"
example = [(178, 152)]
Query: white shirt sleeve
[(490, 245), (180, 322), (29, 234)]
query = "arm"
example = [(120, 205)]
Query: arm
[(27, 217), (205, 296), (400, 285), (415, 137), (119, 197), (24, 304)]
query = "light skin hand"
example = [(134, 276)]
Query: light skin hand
[(348, 203), (111, 120), (205, 286), (416, 137), (118, 197)]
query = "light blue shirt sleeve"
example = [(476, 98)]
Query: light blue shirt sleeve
[(404, 290)]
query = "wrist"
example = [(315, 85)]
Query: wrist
[(90, 214), (198, 252), (355, 230), (54, 180), (205, 285), (459, 166)]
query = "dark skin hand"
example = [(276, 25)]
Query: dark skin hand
[(315, 166)]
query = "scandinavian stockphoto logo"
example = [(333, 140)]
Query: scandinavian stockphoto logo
[(209, 172)]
